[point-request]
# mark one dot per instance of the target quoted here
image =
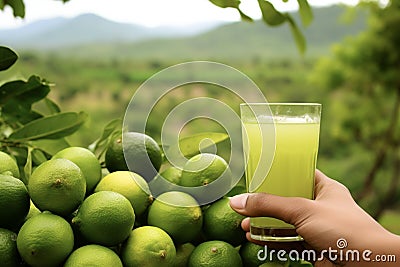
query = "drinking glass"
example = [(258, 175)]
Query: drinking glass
[(280, 143)]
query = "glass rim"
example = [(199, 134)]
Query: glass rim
[(282, 104)]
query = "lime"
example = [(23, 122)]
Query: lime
[(140, 150), (172, 174), (8, 165), (45, 240), (8, 248), (249, 252), (215, 254), (203, 169), (58, 186), (14, 202), (93, 256), (178, 214), (183, 253), (148, 246), (130, 185), (221, 222), (105, 218), (86, 161)]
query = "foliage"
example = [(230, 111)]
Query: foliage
[(272, 17), (22, 128), (365, 90)]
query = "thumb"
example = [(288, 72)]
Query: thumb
[(289, 209)]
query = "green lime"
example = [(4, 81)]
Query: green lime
[(178, 214), (172, 174), (8, 249), (141, 151), (183, 252), (93, 256), (45, 240), (148, 246), (57, 185), (86, 161), (105, 218), (221, 222), (8, 165), (14, 202), (130, 185), (203, 169), (249, 252), (215, 254)]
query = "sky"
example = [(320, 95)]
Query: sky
[(150, 13)]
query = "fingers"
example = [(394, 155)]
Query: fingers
[(288, 209)]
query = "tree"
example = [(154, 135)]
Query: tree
[(363, 76)]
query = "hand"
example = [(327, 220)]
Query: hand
[(332, 216)]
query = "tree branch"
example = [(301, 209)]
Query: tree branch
[(381, 155)]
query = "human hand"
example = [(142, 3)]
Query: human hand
[(332, 216)]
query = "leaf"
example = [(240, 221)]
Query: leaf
[(49, 146), (189, 146), (226, 3), (244, 17), (52, 106), (50, 127), (38, 157), (7, 58), (269, 14), (17, 6), (28, 165), (297, 34), (100, 145), (306, 13), (27, 92)]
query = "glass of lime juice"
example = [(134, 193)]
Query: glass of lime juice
[(280, 143)]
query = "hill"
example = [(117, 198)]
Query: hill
[(94, 37), (58, 33)]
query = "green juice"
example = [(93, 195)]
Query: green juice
[(293, 156)]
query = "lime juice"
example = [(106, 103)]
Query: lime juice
[(289, 145)]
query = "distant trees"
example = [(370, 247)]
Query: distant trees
[(363, 75)]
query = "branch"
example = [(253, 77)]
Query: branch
[(381, 155), (390, 196)]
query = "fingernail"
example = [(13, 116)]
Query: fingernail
[(239, 201)]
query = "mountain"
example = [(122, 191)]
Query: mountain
[(88, 29), (94, 37)]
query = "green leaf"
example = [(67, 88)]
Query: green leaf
[(100, 145), (7, 58), (189, 146), (244, 17), (297, 34), (38, 157), (17, 6), (52, 106), (51, 127), (28, 165), (27, 92), (306, 13), (270, 15), (226, 3), (49, 146)]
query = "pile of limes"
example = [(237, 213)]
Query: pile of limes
[(73, 213)]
